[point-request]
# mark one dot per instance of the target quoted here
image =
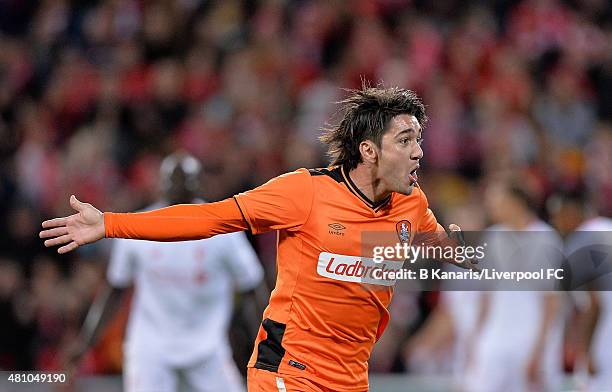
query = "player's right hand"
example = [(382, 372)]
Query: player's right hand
[(84, 227)]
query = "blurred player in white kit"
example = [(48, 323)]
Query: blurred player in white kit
[(583, 229), (183, 300), (519, 337), (444, 339)]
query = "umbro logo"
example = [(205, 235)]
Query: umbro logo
[(336, 228)]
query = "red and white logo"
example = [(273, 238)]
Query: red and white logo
[(357, 269)]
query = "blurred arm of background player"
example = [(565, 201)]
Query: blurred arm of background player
[(436, 333), (102, 310), (482, 314), (588, 309), (569, 211), (551, 307)]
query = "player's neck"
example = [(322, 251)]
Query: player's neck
[(365, 179)]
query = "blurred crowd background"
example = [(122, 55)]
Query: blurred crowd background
[(93, 94)]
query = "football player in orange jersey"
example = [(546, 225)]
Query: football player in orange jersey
[(322, 321)]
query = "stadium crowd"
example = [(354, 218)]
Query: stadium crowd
[(94, 93)]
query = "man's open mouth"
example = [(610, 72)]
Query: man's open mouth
[(413, 176)]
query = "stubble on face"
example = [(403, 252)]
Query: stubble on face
[(400, 153)]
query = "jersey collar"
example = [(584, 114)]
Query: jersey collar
[(357, 192)]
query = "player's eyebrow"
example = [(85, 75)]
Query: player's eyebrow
[(408, 131)]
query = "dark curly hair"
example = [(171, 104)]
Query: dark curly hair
[(366, 114)]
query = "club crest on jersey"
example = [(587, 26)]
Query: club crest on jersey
[(404, 231)]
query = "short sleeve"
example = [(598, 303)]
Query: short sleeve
[(122, 264), (242, 261), (428, 221), (284, 202)]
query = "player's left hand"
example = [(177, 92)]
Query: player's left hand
[(455, 235)]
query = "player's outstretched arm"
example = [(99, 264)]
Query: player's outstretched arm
[(180, 222), (84, 227)]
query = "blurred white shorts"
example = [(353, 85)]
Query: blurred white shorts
[(150, 373)]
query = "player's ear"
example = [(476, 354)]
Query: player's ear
[(369, 151)]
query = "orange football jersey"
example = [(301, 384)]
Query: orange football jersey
[(322, 320)]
